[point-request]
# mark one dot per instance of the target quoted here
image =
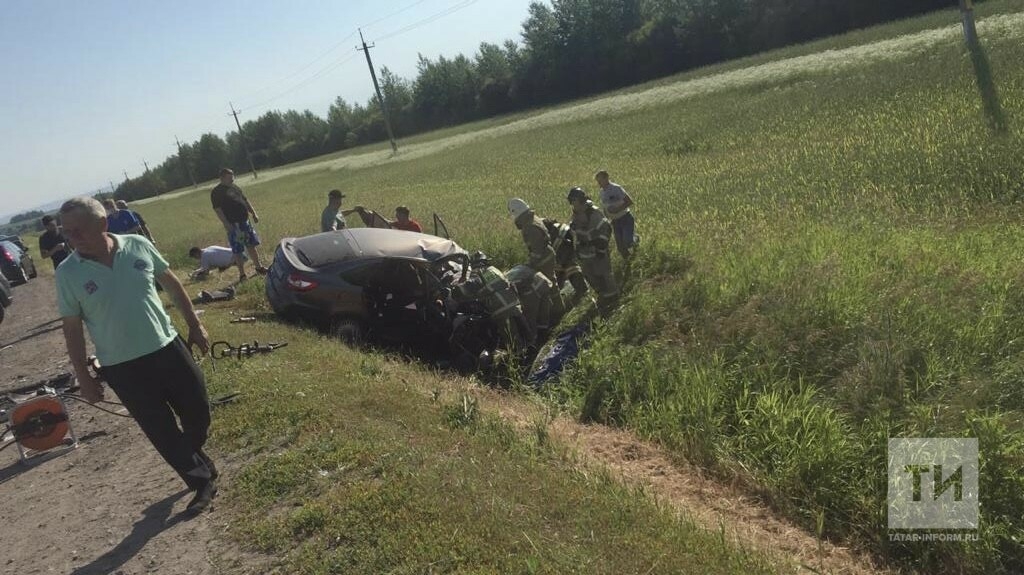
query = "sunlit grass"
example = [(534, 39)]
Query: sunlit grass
[(832, 257)]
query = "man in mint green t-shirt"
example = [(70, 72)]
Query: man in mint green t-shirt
[(107, 284)]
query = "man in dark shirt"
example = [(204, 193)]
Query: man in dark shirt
[(233, 209), (52, 243)]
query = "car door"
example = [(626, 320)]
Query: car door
[(440, 229)]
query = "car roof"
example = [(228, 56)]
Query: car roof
[(330, 247)]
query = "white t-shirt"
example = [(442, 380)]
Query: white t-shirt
[(613, 196), (216, 257)]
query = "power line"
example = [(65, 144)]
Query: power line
[(323, 71), (330, 50), (303, 68), (393, 14), (428, 19)]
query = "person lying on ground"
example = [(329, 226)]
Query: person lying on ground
[(210, 258)]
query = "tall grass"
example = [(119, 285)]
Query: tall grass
[(831, 257)]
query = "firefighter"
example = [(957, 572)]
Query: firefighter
[(566, 267), (592, 232), (534, 290), (488, 284), (535, 236)]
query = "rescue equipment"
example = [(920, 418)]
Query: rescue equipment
[(41, 424)]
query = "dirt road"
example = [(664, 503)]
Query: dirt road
[(111, 506)]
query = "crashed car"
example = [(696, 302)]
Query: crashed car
[(378, 285)]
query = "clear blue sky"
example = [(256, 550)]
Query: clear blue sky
[(91, 88)]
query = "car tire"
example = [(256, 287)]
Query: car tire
[(349, 331), (3, 312)]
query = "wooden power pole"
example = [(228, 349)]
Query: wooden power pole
[(967, 14), (241, 138), (380, 97)]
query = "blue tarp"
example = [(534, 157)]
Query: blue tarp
[(565, 348)]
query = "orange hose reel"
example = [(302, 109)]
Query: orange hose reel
[(40, 423)]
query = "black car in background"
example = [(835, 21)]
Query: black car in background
[(15, 263), (16, 240), (368, 284)]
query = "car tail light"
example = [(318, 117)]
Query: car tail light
[(9, 256), (299, 283)]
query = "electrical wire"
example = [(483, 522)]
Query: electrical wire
[(303, 68), (428, 19), (85, 401), (330, 67), (393, 14), (327, 52)]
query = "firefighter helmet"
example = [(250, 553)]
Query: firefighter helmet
[(517, 207)]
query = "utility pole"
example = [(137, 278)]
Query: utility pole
[(145, 165), (380, 97), (184, 162), (967, 14), (112, 190), (125, 175), (241, 138)]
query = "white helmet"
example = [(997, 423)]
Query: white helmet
[(517, 207)]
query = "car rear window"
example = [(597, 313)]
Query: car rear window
[(322, 249)]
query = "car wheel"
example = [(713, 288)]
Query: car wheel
[(3, 311), (22, 277), (349, 331)]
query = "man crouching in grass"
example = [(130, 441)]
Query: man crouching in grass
[(107, 284)]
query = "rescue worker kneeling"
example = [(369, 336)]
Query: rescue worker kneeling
[(488, 284), (534, 291), (592, 231)]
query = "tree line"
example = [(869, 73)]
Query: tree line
[(568, 49)]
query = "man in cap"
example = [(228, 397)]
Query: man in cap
[(233, 210), (107, 286), (333, 217)]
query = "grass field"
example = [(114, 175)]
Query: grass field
[(832, 257)]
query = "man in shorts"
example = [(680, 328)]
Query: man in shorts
[(233, 210)]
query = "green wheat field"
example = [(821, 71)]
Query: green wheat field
[(832, 256)]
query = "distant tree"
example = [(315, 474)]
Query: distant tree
[(340, 124), (212, 154), (29, 215), (399, 98)]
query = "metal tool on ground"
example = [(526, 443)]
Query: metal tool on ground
[(223, 349), (244, 319)]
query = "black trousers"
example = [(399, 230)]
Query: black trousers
[(157, 387)]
